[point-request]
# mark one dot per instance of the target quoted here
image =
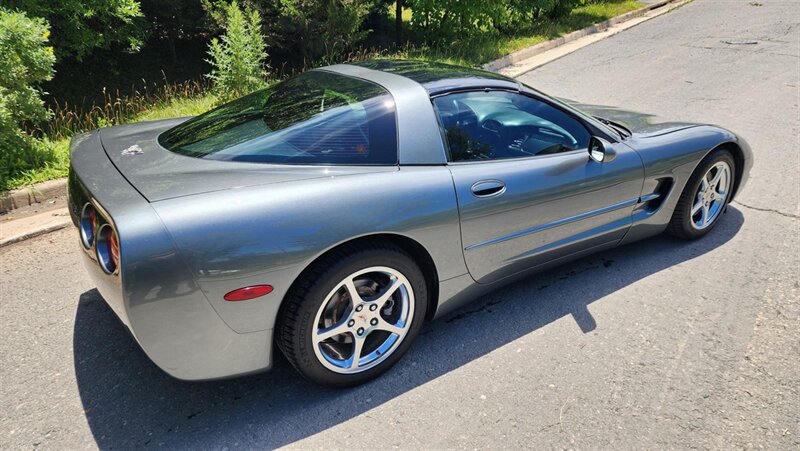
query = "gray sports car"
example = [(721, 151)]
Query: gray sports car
[(333, 213)]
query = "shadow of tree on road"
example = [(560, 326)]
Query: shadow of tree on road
[(130, 403)]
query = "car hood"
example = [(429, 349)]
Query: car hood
[(159, 174), (641, 124)]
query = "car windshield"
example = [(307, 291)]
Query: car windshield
[(314, 118)]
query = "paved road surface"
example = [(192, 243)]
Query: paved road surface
[(662, 344)]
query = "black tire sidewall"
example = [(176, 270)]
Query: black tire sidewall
[(305, 359)]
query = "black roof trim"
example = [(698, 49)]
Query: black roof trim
[(439, 77)]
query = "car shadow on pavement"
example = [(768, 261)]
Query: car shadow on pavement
[(131, 403)]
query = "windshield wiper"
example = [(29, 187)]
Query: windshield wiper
[(618, 127)]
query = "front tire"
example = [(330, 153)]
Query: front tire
[(353, 314), (705, 197)]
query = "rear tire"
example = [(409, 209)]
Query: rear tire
[(705, 197), (340, 339)]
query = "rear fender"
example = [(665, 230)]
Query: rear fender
[(270, 234), (153, 291)]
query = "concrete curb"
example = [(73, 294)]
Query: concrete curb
[(34, 233), (39, 192), (528, 52)]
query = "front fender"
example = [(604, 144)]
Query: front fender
[(669, 161)]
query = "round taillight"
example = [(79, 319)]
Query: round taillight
[(107, 249), (88, 225)]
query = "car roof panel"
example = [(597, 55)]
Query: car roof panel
[(439, 77)]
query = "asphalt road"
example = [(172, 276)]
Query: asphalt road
[(661, 344)]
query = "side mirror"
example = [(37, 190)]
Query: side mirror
[(601, 150)]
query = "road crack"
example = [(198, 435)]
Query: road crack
[(768, 210)]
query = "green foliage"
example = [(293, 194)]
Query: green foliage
[(80, 26), (175, 100), (342, 28), (479, 47), (25, 61), (178, 107), (320, 31), (441, 21), (174, 20), (154, 101), (237, 57), (300, 33), (53, 163)]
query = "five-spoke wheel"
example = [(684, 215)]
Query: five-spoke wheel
[(711, 195), (363, 320), (705, 197), (353, 314)]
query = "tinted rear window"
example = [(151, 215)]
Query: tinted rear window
[(314, 118)]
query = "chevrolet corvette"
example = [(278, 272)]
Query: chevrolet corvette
[(331, 214)]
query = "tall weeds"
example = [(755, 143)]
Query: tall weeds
[(117, 107)]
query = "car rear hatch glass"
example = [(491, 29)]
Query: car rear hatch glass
[(158, 174), (315, 118)]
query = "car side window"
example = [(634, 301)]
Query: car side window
[(495, 125)]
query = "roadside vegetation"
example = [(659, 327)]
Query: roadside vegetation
[(69, 67)]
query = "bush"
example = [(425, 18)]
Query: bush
[(316, 31), (80, 26), (440, 21), (25, 61), (238, 56), (342, 28)]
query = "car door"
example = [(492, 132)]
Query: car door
[(528, 191)]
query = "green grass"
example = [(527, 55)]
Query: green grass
[(178, 108), (481, 50), (53, 169), (59, 164), (192, 99)]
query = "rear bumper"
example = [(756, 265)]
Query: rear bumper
[(154, 293)]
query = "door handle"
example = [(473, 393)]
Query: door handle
[(488, 188)]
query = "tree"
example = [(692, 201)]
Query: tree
[(446, 21), (25, 61), (441, 20), (238, 56), (319, 31), (175, 20), (398, 22), (80, 26)]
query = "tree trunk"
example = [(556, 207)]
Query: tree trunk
[(398, 21), (171, 43)]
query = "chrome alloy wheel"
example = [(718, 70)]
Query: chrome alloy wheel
[(363, 320), (711, 195)]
